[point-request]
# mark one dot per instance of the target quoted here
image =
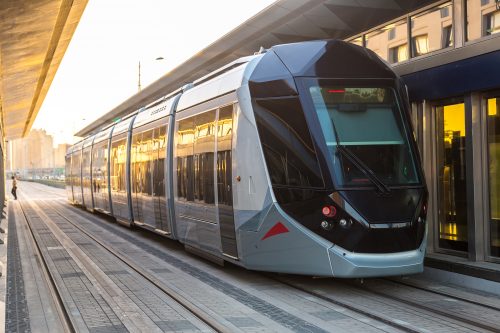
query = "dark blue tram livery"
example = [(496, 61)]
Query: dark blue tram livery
[(299, 159)]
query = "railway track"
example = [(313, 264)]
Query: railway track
[(459, 312), (484, 301), (64, 316), (468, 312), (456, 323), (213, 324), (288, 320), (396, 305)]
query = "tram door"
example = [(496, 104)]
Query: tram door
[(148, 151), (224, 181), (452, 189)]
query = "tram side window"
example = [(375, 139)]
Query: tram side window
[(224, 146), (69, 172), (76, 168), (195, 158), (134, 162), (288, 148), (86, 168), (145, 159), (159, 167), (142, 159), (118, 160), (203, 159), (99, 166), (185, 140)]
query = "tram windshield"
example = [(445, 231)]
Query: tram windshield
[(365, 135)]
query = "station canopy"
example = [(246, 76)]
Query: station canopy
[(284, 21), (34, 35)]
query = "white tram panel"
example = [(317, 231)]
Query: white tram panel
[(214, 84), (252, 193), (197, 207)]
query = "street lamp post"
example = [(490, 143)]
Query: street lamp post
[(139, 78), (139, 87)]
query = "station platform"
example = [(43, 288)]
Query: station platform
[(68, 270)]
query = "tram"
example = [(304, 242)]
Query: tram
[(299, 159)]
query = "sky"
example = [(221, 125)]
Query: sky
[(100, 67)]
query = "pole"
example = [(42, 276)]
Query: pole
[(139, 78)]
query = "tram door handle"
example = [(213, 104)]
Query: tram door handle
[(229, 188)]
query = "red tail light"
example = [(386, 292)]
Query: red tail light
[(329, 211)]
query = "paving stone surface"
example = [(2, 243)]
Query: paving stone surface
[(17, 313), (244, 300), (264, 308)]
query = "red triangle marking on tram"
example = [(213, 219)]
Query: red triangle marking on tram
[(278, 228)]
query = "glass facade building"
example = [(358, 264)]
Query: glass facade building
[(448, 54)]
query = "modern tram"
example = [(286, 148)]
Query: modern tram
[(299, 159)]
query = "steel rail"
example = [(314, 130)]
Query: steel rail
[(185, 303), (68, 324), (348, 306), (443, 293), (448, 314)]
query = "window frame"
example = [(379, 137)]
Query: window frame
[(408, 18), (464, 22), (486, 176)]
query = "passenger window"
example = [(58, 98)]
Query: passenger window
[(224, 138), (195, 158), (146, 158), (159, 167), (204, 145), (185, 140), (118, 161), (134, 161), (288, 148)]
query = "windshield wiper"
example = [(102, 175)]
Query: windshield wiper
[(380, 185)]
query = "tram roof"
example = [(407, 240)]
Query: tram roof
[(285, 21)]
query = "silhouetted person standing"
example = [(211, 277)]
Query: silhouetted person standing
[(14, 187)]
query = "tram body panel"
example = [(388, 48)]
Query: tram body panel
[(268, 239), (252, 192), (283, 245), (148, 158), (258, 165), (352, 265), (203, 181)]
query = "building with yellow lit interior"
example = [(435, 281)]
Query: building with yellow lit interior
[(448, 54)]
